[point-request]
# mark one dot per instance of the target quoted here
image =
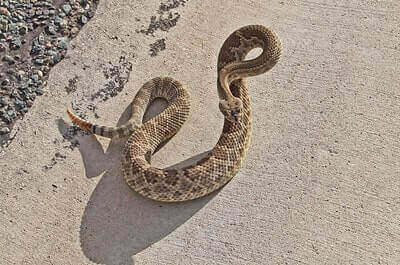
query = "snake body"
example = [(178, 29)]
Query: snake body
[(225, 159)]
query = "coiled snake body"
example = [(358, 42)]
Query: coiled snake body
[(225, 159)]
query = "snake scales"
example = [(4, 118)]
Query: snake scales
[(225, 159)]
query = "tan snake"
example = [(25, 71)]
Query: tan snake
[(225, 159)]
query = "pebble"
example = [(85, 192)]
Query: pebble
[(67, 9), (19, 104), (8, 59), (12, 27), (4, 11), (11, 72), (74, 30), (38, 61), (39, 73), (83, 19), (4, 130), (15, 44), (58, 20), (35, 78), (51, 29), (39, 91), (62, 43), (55, 58), (5, 82)]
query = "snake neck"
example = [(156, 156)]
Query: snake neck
[(231, 60)]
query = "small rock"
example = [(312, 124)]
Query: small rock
[(14, 94), (36, 23), (11, 72), (6, 118), (50, 52), (4, 25), (66, 8), (19, 75), (50, 29), (23, 30), (5, 82), (41, 38), (59, 155), (30, 26), (62, 43), (74, 30), (4, 11), (15, 44), (35, 78), (65, 32), (39, 91), (19, 104), (12, 27), (4, 130), (90, 14), (20, 17), (55, 59), (48, 45), (83, 20), (36, 48), (38, 61), (45, 69), (58, 20), (11, 113), (25, 95), (39, 73), (8, 59), (38, 12)]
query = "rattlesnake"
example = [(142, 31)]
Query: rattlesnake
[(225, 159)]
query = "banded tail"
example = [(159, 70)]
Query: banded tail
[(105, 131)]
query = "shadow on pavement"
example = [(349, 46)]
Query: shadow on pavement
[(119, 223)]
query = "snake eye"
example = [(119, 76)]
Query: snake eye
[(235, 115)]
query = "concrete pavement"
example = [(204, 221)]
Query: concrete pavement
[(320, 184)]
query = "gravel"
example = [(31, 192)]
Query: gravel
[(34, 36)]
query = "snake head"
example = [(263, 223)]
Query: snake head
[(232, 109)]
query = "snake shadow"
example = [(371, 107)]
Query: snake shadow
[(117, 222)]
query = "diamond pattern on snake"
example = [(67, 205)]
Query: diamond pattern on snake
[(226, 158)]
